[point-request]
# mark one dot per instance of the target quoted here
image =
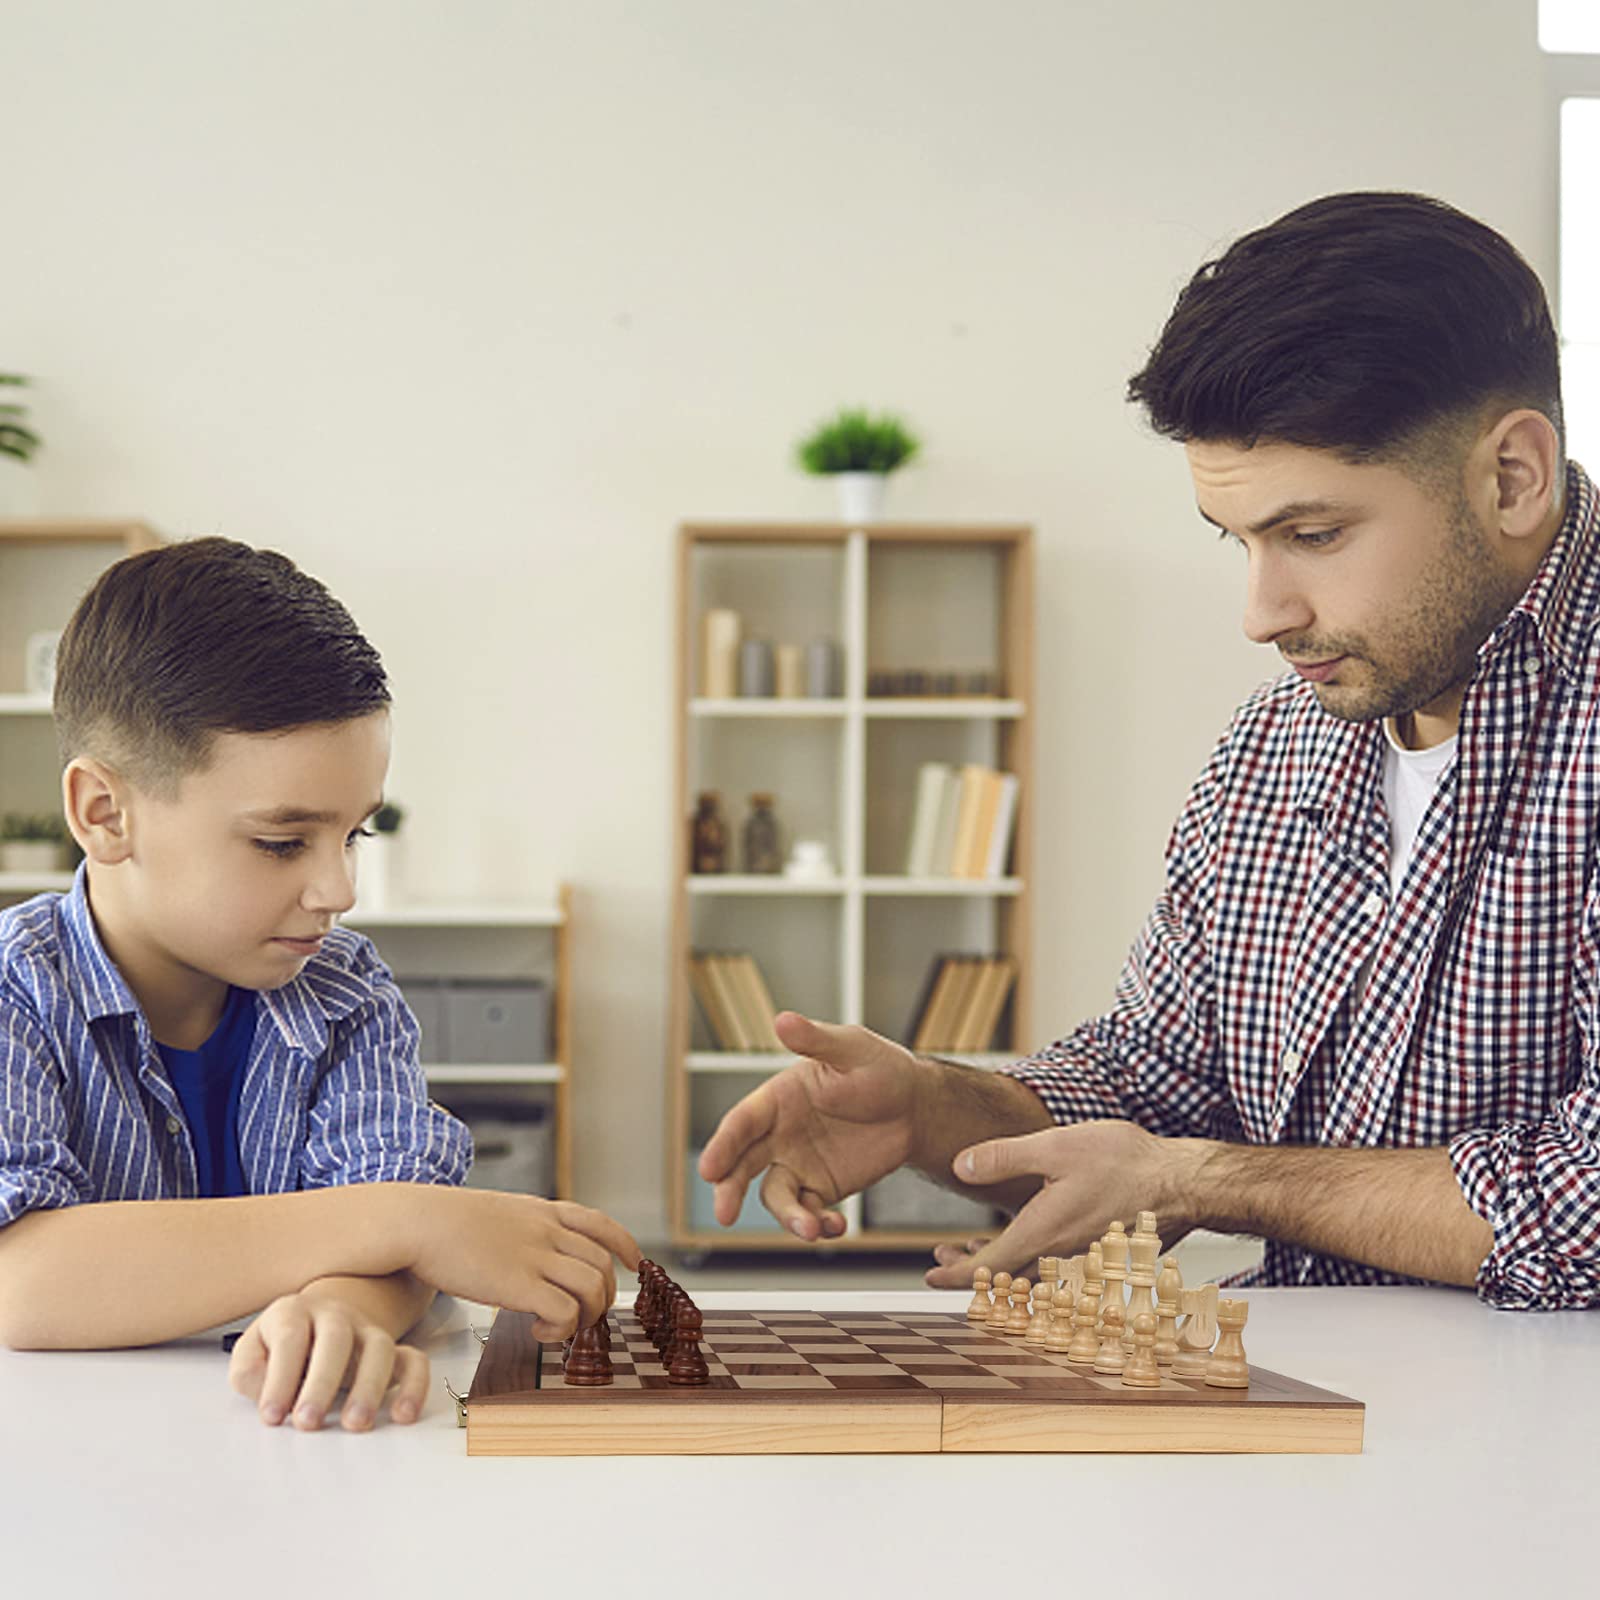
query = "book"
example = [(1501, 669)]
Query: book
[(931, 782), (989, 786), (987, 1002), (1005, 822), (943, 1027), (712, 1005), (759, 1009), (927, 1036), (971, 798), (944, 833), (924, 998), (722, 981)]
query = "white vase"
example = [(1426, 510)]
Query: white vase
[(30, 855), (860, 495), (378, 873)]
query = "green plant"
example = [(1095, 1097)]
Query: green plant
[(387, 818), (17, 827), (16, 438), (853, 441)]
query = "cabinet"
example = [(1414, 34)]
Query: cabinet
[(45, 569), (949, 601), (467, 946)]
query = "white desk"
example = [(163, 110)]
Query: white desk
[(140, 1473)]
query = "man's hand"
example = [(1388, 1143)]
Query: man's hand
[(1094, 1173), (304, 1348), (552, 1258), (822, 1129)]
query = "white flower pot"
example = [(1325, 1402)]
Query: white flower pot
[(30, 855), (378, 873), (860, 495)]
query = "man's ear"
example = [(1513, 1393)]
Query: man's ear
[(95, 798), (1529, 482)]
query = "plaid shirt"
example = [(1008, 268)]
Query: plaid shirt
[(1240, 1016), (332, 1091)]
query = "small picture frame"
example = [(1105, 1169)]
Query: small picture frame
[(39, 662)]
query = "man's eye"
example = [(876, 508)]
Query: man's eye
[(360, 833), (281, 848), (1317, 537)]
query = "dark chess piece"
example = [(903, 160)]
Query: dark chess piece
[(588, 1362), (687, 1368), (641, 1299)]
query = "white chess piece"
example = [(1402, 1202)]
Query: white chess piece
[(982, 1301)]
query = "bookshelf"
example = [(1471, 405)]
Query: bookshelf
[(854, 946), (494, 941), (45, 568)]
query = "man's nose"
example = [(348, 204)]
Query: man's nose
[(1273, 602)]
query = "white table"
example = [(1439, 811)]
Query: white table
[(139, 1473)]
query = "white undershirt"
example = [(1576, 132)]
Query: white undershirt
[(1410, 778)]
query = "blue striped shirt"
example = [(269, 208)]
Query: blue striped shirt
[(333, 1091)]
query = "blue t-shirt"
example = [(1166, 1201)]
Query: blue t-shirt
[(208, 1082)]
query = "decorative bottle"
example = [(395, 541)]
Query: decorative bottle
[(708, 836), (762, 851)]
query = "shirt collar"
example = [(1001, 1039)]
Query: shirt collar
[(302, 1009)]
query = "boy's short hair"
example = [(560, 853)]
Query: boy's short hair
[(177, 645), (1375, 326)]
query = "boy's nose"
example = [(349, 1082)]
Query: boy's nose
[(333, 890)]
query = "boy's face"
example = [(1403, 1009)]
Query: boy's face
[(240, 874)]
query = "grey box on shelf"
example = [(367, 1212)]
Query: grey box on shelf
[(905, 1199), (425, 997), (497, 1023), (514, 1142)]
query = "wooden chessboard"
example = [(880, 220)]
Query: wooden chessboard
[(855, 1382)]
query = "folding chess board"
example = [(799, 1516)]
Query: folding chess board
[(855, 1382)]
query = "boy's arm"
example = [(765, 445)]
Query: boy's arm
[(396, 1302), (131, 1272)]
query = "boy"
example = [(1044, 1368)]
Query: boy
[(210, 1098)]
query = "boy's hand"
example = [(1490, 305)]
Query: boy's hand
[(837, 1120), (304, 1348), (552, 1258)]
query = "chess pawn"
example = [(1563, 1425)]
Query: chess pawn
[(1110, 1359), (1016, 1325), (588, 1363), (641, 1299), (1141, 1371), (1085, 1346), (982, 1300), (1227, 1368), (1168, 1287), (1198, 1329), (1062, 1311), (1000, 1313), (687, 1366), (1039, 1322)]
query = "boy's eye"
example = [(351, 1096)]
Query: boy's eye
[(359, 833), (281, 848)]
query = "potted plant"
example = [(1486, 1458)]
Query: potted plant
[(377, 865), (858, 452), (33, 843), (18, 440)]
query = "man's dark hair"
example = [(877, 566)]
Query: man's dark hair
[(179, 644), (1373, 326)]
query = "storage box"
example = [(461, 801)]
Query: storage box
[(425, 997), (514, 1146), (497, 1022), (753, 1216), (905, 1199)]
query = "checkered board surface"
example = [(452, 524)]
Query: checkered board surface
[(785, 1377)]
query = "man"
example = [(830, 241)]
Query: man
[(1363, 1018)]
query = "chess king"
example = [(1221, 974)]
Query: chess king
[(1361, 1018)]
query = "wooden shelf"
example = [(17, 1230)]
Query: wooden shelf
[(462, 916), (884, 592), (131, 534), (25, 705), (458, 1072), (25, 883), (776, 1242)]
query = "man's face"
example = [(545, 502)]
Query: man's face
[(239, 875), (1373, 588)]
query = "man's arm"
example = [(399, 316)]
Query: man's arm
[(1401, 1211), (954, 1106)]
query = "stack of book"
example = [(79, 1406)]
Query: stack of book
[(962, 1001), (734, 997), (963, 822)]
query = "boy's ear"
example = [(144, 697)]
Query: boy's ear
[(95, 799)]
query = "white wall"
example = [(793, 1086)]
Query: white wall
[(465, 305)]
